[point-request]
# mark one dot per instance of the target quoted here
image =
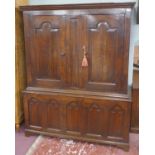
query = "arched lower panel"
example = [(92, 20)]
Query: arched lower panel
[(116, 122), (95, 119), (53, 114), (35, 108), (73, 114)]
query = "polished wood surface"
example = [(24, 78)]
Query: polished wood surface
[(78, 6), (58, 64), (64, 98), (95, 120)]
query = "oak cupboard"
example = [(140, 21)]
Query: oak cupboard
[(77, 71)]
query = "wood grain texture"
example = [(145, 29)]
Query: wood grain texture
[(78, 6), (19, 62), (99, 120), (105, 52), (54, 59), (62, 97)]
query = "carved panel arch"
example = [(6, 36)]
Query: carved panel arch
[(34, 100), (54, 103), (117, 108), (47, 25), (94, 106), (73, 105), (103, 25)]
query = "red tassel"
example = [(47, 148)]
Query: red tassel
[(84, 61)]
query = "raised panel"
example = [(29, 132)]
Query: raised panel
[(73, 119), (96, 120), (35, 112), (53, 114), (105, 52), (103, 43), (47, 51), (48, 59), (116, 122)]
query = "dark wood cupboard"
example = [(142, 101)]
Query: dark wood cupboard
[(65, 98)]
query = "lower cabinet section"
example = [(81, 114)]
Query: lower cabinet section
[(95, 120)]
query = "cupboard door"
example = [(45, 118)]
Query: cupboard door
[(105, 52), (46, 52)]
